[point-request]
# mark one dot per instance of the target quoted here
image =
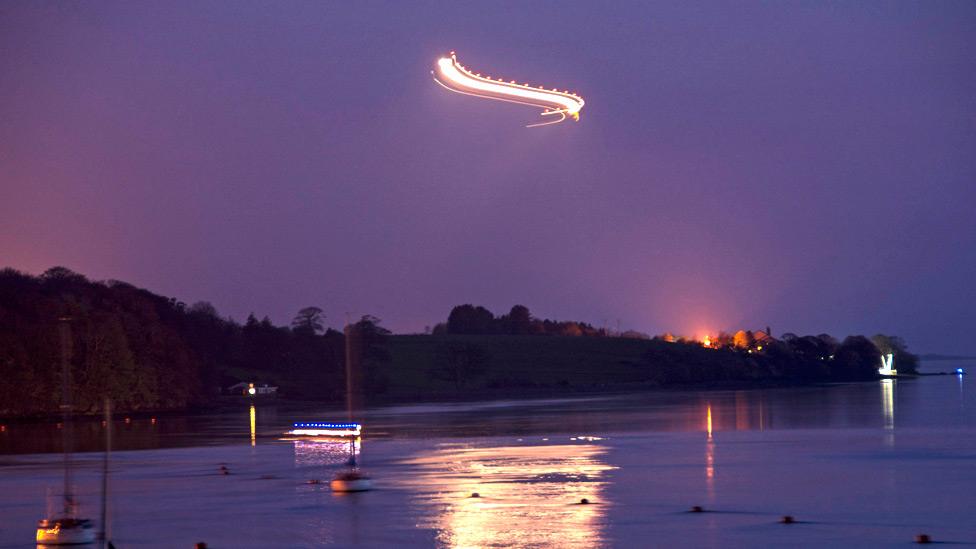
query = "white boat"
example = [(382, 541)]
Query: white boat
[(351, 481), (65, 531)]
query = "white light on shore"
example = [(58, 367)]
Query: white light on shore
[(887, 361)]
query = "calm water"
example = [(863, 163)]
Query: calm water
[(868, 464)]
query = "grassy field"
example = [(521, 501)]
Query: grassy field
[(508, 361)]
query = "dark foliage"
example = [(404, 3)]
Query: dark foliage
[(476, 320), (459, 363), (149, 352)]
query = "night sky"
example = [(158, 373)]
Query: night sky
[(808, 166)]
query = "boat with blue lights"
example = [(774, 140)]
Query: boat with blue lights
[(326, 430)]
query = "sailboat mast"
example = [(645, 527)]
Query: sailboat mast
[(349, 383), (108, 450), (64, 329), (349, 388)]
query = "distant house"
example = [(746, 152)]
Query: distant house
[(250, 389)]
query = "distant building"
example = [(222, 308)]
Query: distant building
[(251, 389)]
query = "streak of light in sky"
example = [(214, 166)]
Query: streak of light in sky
[(455, 77)]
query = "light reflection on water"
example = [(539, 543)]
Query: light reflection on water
[(709, 454), (529, 496), (310, 453), (821, 452), (888, 402), (254, 428), (855, 405)]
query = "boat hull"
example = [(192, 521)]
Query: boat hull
[(57, 532), (355, 485)]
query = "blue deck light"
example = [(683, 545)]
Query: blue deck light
[(325, 429)]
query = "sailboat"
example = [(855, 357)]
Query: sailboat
[(352, 479), (66, 528)]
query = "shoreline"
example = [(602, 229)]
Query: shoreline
[(225, 403)]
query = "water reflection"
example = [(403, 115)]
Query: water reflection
[(962, 405), (529, 496), (853, 405), (888, 410), (310, 453), (888, 402), (709, 452), (254, 430)]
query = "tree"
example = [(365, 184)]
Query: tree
[(62, 274), (571, 329), (904, 361), (204, 308), (518, 320), (468, 319), (856, 358), (375, 353), (459, 363), (308, 321)]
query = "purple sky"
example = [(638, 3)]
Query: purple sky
[(808, 166)]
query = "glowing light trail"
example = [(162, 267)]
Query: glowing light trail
[(559, 104)]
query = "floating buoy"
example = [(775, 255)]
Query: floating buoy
[(923, 538), (697, 509), (475, 495), (787, 519), (584, 501)]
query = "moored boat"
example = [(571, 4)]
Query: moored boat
[(351, 481), (65, 531), (326, 430)]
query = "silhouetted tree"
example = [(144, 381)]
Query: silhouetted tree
[(856, 358), (308, 321), (518, 321), (468, 319)]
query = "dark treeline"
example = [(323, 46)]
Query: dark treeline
[(742, 356), (476, 320), (149, 352), (791, 358)]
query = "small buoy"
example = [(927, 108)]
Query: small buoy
[(584, 501), (475, 495), (923, 538), (697, 509), (787, 519)]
